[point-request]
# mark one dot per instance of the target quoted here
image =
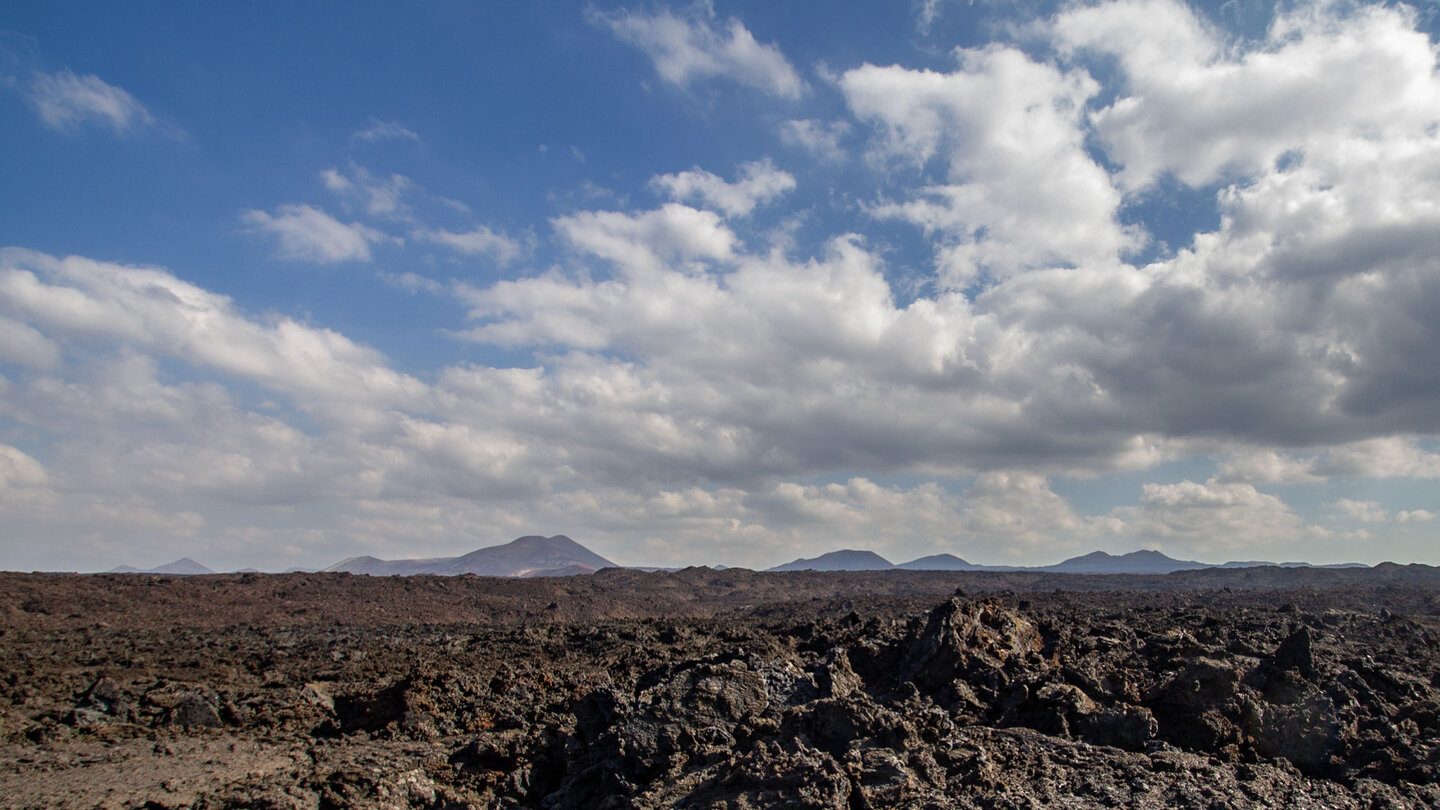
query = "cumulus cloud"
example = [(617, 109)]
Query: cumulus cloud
[(1266, 467), (1022, 191), (22, 343), (697, 45), (759, 182), (1298, 322), (686, 391), (773, 524), (74, 523), (154, 311), (754, 527), (822, 139), (377, 196), (307, 234), (1385, 457), (1364, 511), (1202, 108), (1416, 515), (672, 352), (1018, 513), (1374, 512), (166, 442), (651, 240), (1212, 516), (771, 360), (66, 101), (478, 241), (587, 440)]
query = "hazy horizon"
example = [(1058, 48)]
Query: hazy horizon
[(699, 563)]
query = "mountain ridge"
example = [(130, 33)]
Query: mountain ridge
[(558, 555), (940, 562), (182, 567), (846, 559), (527, 556), (1144, 561)]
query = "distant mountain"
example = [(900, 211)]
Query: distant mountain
[(1096, 562), (376, 567), (535, 556), (941, 562), (529, 556), (1264, 563), (183, 567), (845, 560), (1136, 562)]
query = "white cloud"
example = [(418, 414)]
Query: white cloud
[(378, 130), (149, 309), (1054, 369), (412, 283), (698, 46), (1363, 511), (1374, 512), (820, 372), (926, 13), (396, 198), (1386, 457), (1265, 467), (1212, 516), (479, 241), (820, 138), (757, 527), (1018, 514), (21, 343), (766, 364), (1205, 109), (307, 234), (759, 182), (646, 242), (1022, 191), (54, 522), (378, 196), (66, 102), (174, 442), (18, 469)]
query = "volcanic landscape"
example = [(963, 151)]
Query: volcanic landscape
[(1255, 687)]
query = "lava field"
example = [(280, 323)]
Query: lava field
[(722, 689)]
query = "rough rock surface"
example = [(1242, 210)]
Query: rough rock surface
[(917, 698)]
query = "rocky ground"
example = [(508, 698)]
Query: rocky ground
[(722, 689)]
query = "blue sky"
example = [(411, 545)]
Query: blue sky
[(718, 282)]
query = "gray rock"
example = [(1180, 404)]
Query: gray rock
[(193, 709)]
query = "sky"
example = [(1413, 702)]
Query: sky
[(718, 283)]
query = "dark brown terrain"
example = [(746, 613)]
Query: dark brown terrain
[(723, 689)]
